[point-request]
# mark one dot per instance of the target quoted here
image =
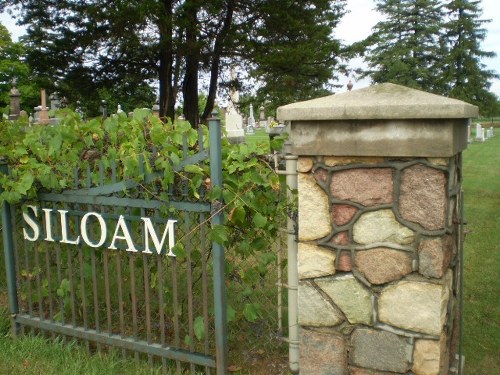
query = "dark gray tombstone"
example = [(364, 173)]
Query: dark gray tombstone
[(15, 101), (55, 102)]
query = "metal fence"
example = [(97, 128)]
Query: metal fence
[(256, 287), (164, 310), (92, 263)]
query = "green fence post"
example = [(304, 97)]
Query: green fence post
[(10, 265), (217, 249)]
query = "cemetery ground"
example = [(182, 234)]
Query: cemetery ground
[(481, 321), (481, 164)]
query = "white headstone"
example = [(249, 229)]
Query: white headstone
[(251, 121), (234, 120), (262, 118), (479, 133), (468, 134)]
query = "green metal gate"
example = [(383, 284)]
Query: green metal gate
[(112, 264)]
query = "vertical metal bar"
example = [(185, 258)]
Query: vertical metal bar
[(159, 261), (107, 291), (49, 282), (83, 295), (76, 184), (29, 272), (175, 298), (189, 281), (97, 324), (280, 285), (15, 243), (94, 293), (133, 297), (17, 260), (10, 266), (106, 264), (119, 277), (461, 280), (38, 271), (217, 249), (71, 286), (293, 279), (204, 284), (120, 295), (59, 270), (147, 302), (145, 269)]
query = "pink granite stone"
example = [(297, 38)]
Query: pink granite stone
[(345, 262), (340, 239), (423, 196), (382, 265), (322, 353), (343, 213), (367, 186), (435, 256), (321, 175)]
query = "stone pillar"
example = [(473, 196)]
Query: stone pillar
[(379, 213), (44, 114)]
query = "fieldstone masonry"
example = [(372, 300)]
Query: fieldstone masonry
[(379, 189)]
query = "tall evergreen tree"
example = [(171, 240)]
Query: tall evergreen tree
[(297, 56), (434, 46), (466, 75), (404, 47)]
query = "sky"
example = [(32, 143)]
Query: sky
[(357, 25)]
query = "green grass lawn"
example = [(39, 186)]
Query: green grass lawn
[(31, 355), (481, 169), (481, 164)]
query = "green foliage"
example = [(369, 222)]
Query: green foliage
[(12, 65), (404, 46), (468, 78), (119, 51), (293, 52), (434, 46), (45, 158)]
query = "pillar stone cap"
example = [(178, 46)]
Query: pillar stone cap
[(378, 102)]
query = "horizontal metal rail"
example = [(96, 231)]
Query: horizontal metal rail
[(116, 341), (124, 202)]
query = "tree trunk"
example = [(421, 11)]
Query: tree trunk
[(216, 57), (167, 97), (190, 84)]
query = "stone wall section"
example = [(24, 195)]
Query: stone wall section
[(378, 264)]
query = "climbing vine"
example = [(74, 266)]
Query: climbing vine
[(45, 158)]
